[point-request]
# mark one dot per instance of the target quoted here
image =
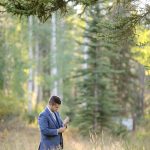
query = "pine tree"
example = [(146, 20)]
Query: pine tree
[(96, 103)]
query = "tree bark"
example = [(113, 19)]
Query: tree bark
[(36, 73), (30, 79), (53, 54)]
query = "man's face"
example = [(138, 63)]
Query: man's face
[(54, 107)]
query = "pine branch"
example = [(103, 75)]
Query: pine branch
[(2, 4)]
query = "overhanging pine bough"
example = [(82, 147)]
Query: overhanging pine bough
[(40, 8)]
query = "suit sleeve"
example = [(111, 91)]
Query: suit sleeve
[(43, 123)]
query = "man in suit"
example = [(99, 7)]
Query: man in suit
[(51, 126)]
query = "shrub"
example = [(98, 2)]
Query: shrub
[(10, 106)]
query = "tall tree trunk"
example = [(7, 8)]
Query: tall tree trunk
[(85, 48), (54, 69), (40, 67), (141, 76), (96, 93), (36, 73), (30, 80), (61, 63)]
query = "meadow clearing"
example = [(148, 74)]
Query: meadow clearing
[(16, 135)]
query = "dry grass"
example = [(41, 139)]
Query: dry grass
[(17, 136), (94, 142)]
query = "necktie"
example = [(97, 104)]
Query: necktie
[(54, 116)]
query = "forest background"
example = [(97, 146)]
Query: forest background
[(95, 55)]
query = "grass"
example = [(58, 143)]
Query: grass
[(18, 136)]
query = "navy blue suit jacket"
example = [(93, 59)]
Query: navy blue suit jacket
[(50, 138)]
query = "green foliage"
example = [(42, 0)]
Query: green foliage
[(106, 88), (97, 100), (118, 30), (42, 8), (10, 106), (119, 130), (141, 50), (13, 58), (32, 117)]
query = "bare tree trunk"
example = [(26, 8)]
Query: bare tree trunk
[(142, 89), (96, 94), (36, 84), (85, 49), (36, 73), (60, 70), (30, 80), (54, 69), (40, 67), (40, 97)]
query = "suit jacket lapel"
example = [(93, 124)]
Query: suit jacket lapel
[(58, 120), (52, 118)]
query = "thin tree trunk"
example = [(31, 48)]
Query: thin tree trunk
[(54, 70), (37, 68), (40, 97), (60, 70), (96, 93), (40, 67), (142, 90), (36, 84), (85, 49), (30, 80)]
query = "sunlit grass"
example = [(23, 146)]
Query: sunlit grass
[(23, 137)]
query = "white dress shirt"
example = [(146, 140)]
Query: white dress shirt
[(52, 113)]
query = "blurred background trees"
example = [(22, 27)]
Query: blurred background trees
[(96, 60)]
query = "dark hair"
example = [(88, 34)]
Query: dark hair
[(54, 100)]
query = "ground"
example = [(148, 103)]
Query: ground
[(16, 135)]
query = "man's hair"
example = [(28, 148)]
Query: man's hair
[(54, 100)]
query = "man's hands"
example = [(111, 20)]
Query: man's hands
[(61, 130), (66, 121)]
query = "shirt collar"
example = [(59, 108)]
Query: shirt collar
[(49, 110)]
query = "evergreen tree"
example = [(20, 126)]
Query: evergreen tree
[(96, 102), (120, 33)]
